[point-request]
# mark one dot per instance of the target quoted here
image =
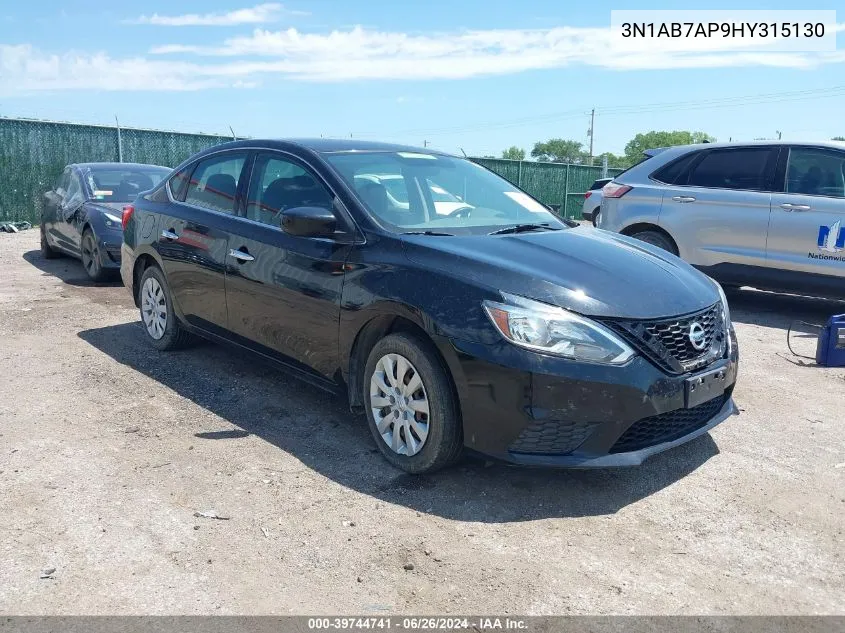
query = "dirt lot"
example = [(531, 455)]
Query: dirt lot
[(107, 448)]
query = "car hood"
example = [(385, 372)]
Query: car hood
[(589, 271)]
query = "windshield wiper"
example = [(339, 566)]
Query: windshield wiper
[(428, 233), (522, 228)]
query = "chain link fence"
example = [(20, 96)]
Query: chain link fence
[(559, 184), (33, 153)]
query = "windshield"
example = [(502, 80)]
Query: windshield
[(115, 184), (423, 192)]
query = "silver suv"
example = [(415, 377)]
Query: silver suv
[(768, 214)]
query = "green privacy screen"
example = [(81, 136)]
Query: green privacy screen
[(34, 153)]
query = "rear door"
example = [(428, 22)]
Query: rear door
[(194, 234), (283, 290), (717, 207), (807, 232)]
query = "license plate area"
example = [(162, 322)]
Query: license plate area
[(705, 386)]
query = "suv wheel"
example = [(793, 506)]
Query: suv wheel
[(656, 238), (411, 407), (160, 323)]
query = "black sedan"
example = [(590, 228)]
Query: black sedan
[(81, 216), (491, 325)]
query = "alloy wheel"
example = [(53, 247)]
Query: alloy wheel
[(399, 404), (90, 255)]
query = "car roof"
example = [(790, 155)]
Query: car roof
[(115, 165), (830, 144), (325, 145)]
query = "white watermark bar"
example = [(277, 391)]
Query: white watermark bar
[(757, 31)]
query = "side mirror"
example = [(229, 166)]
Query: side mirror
[(309, 222)]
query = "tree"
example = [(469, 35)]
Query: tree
[(617, 162), (558, 150), (838, 138), (514, 153), (650, 140)]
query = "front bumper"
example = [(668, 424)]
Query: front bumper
[(537, 410)]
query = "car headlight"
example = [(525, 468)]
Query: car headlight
[(551, 330), (726, 314)]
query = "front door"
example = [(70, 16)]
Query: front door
[(193, 238), (284, 291), (719, 208), (807, 232)]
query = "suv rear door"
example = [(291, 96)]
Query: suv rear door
[(807, 232), (717, 205), (193, 236)]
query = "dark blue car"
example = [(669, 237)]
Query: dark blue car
[(81, 215)]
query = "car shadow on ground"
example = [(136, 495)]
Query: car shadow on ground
[(68, 269), (319, 430)]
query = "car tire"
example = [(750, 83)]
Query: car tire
[(47, 251), (421, 400), (595, 218), (658, 239), (163, 329), (91, 258)]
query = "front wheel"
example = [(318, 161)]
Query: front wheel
[(163, 329), (411, 406), (91, 258)]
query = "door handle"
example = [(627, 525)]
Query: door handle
[(795, 207), (169, 235), (241, 256), (683, 198)]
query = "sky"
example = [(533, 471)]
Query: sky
[(471, 75)]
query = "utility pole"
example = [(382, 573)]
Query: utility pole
[(590, 132), (779, 134), (119, 141), (425, 143)]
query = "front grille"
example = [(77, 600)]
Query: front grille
[(668, 342), (666, 427), (551, 437)]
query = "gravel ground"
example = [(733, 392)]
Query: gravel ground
[(108, 448)]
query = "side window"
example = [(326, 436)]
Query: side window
[(214, 182), (179, 183), (744, 168), (62, 182), (816, 172), (74, 195), (278, 184), (675, 172)]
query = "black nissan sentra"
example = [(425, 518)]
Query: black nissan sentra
[(450, 307)]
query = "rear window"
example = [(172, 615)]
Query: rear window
[(117, 184), (601, 182), (744, 168)]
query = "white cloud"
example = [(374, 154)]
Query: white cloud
[(259, 14), (365, 54)]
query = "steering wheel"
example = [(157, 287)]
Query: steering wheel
[(463, 211)]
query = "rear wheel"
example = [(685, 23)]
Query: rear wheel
[(411, 407), (91, 258), (47, 251), (160, 323), (596, 216), (655, 238)]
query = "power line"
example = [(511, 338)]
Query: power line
[(725, 102)]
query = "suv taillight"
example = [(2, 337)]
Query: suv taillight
[(588, 194), (128, 210), (614, 190)]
